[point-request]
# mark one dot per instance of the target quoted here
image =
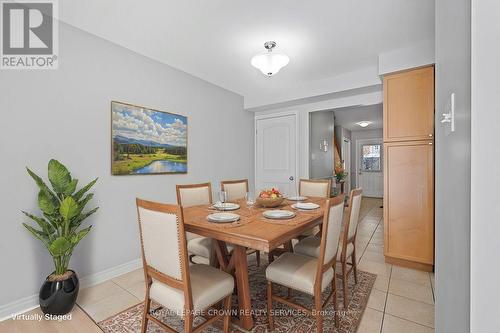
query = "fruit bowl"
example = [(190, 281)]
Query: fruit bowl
[(270, 198), (269, 202)]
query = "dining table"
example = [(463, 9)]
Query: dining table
[(251, 231)]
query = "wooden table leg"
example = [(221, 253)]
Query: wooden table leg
[(242, 283)]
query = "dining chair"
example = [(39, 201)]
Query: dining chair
[(315, 187), (237, 190), (200, 248), (307, 188), (170, 281), (308, 274), (310, 246)]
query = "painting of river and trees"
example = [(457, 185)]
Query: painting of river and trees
[(147, 141)]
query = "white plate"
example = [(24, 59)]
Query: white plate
[(226, 206), (305, 205), (278, 214), (297, 198), (223, 217)]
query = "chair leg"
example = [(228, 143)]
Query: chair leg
[(289, 293), (270, 305), (147, 304), (257, 255), (345, 284), (188, 323), (270, 257), (334, 300), (354, 264), (227, 315), (317, 314)]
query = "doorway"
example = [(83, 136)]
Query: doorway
[(276, 152), (369, 166)]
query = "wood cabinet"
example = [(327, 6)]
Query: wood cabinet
[(409, 201), (409, 168), (409, 105)]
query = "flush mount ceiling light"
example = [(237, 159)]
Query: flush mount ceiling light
[(364, 123), (270, 62)]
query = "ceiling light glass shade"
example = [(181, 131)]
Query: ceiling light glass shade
[(270, 62), (364, 123)]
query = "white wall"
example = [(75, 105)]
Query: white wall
[(416, 55), (452, 168), (321, 127), (65, 114), (360, 135), (485, 207)]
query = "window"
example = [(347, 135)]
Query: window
[(371, 157)]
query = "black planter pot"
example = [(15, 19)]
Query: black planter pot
[(59, 297)]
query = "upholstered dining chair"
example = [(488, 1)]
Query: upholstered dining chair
[(237, 190), (199, 248), (308, 274), (170, 280), (315, 187), (307, 188), (310, 246)]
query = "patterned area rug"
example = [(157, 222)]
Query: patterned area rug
[(129, 321)]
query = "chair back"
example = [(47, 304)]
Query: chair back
[(162, 238), (354, 208), (330, 237), (315, 188), (235, 189), (194, 194)]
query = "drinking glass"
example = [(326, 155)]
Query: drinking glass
[(222, 199), (249, 197)]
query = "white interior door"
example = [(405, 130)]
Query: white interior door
[(369, 164), (276, 153)]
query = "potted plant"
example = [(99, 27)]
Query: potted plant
[(62, 208), (340, 173)]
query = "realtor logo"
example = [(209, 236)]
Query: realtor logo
[(29, 34)]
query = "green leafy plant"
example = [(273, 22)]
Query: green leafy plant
[(62, 207), (340, 173)]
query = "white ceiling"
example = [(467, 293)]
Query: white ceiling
[(348, 117), (215, 39)]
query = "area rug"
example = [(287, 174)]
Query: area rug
[(129, 321)]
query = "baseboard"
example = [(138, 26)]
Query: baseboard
[(22, 305), (110, 273), (409, 264)]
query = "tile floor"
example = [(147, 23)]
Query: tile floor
[(402, 299)]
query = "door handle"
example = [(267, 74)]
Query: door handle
[(291, 178)]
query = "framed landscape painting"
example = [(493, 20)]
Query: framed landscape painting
[(147, 141)]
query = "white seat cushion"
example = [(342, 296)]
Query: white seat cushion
[(310, 247), (202, 246), (297, 272), (208, 285)]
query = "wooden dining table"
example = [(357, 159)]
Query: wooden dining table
[(251, 231)]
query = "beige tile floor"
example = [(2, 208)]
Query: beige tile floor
[(402, 299)]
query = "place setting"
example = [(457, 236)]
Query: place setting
[(223, 216)]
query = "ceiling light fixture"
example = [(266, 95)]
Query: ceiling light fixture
[(270, 62), (364, 123)]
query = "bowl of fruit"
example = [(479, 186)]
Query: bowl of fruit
[(270, 198)]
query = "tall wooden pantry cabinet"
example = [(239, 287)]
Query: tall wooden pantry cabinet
[(409, 168)]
